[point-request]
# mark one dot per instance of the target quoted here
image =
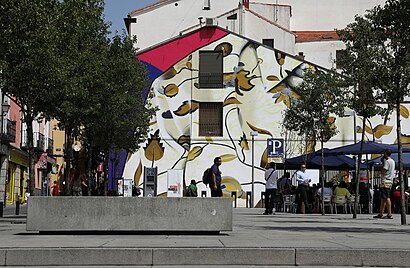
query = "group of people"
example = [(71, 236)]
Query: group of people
[(309, 197), (78, 184)]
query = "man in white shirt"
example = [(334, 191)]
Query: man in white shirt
[(303, 186), (271, 178), (387, 181)]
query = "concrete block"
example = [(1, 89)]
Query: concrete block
[(2, 257), (224, 256), (129, 214), (386, 257), (353, 257), (328, 257), (78, 256)]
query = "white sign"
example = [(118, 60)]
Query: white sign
[(127, 188), (175, 182)]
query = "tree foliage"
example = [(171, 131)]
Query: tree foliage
[(29, 59), (58, 62), (378, 61), (321, 98)]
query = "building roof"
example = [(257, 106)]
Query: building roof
[(316, 36), (149, 7), (235, 10), (269, 21)]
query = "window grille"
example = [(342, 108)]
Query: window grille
[(210, 118)]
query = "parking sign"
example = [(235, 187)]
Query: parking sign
[(275, 148)]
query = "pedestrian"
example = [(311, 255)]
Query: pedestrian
[(364, 197), (192, 190), (93, 184), (385, 186), (215, 185), (271, 178), (303, 186), (55, 191)]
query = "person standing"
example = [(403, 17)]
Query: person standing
[(271, 178), (215, 185), (303, 186), (55, 191), (192, 190), (387, 182)]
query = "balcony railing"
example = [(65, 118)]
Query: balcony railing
[(39, 141), (50, 144), (9, 134)]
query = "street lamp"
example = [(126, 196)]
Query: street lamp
[(253, 134), (4, 110)]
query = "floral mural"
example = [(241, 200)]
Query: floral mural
[(258, 84)]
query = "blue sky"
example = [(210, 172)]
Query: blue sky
[(117, 10)]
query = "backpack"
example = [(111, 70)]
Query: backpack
[(206, 177)]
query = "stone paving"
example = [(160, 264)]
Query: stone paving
[(259, 240)]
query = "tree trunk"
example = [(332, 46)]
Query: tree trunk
[(401, 180), (323, 176), (359, 157), (89, 164), (31, 154), (67, 158)]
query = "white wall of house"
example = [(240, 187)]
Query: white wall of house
[(155, 25), (325, 15), (258, 29), (322, 53), (279, 14)]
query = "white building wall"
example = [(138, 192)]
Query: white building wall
[(156, 25), (322, 53), (325, 14), (275, 13), (257, 29)]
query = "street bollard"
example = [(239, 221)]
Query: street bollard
[(1, 209), (233, 195), (248, 199), (203, 194), (18, 206), (263, 198)]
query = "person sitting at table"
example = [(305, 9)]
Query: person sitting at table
[(340, 190)]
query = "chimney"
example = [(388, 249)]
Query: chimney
[(245, 3)]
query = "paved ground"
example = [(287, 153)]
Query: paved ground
[(282, 239)]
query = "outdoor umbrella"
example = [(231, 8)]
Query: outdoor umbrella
[(314, 159), (369, 147), (376, 162)]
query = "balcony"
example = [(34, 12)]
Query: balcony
[(39, 142), (10, 132), (50, 145)]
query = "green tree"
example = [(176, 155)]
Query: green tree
[(312, 115), (359, 70), (82, 43), (29, 59), (119, 117), (393, 29), (379, 62)]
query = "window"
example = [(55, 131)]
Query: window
[(340, 57), (210, 118), (207, 5), (268, 42), (210, 69)]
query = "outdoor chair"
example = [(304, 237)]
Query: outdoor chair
[(327, 203), (350, 204), (340, 201), (289, 204)]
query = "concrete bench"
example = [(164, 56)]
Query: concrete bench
[(130, 214)]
